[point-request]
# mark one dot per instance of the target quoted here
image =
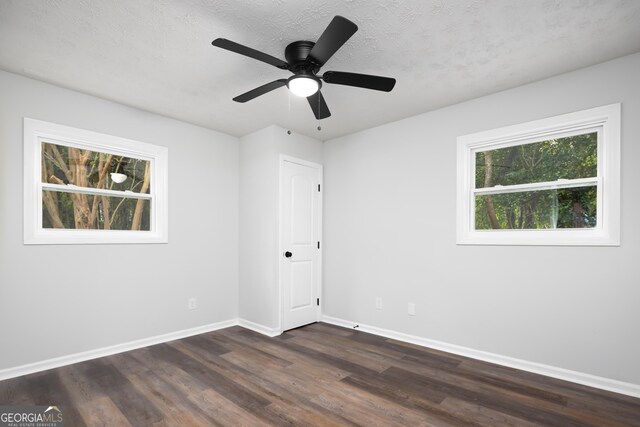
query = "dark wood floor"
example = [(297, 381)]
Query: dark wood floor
[(316, 375)]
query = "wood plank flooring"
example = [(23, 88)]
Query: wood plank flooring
[(316, 375)]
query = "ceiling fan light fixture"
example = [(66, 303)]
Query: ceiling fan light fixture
[(303, 85), (305, 59)]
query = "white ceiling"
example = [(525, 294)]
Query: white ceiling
[(156, 54)]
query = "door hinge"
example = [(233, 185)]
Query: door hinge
[(318, 187), (318, 301), (318, 245)]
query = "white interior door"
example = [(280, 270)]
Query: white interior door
[(300, 228)]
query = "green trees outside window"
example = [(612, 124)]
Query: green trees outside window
[(69, 209), (553, 160)]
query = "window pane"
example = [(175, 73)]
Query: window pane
[(84, 168), (570, 157), (534, 210), (83, 211)]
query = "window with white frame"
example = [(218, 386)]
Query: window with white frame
[(554, 181), (87, 187)]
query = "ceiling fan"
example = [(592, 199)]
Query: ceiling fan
[(304, 60)]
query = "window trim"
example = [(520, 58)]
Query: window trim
[(606, 233), (35, 131)]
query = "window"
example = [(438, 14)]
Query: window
[(86, 187), (554, 181)]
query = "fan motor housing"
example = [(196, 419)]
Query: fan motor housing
[(296, 54)]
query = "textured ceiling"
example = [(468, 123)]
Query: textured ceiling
[(156, 54)]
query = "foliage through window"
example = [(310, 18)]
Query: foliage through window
[(64, 167), (554, 181), (92, 188), (569, 164)]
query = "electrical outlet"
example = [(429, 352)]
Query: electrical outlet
[(191, 304), (411, 309), (378, 303)]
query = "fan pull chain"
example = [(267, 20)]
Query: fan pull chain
[(318, 120)]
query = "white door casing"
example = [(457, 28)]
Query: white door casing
[(300, 246)]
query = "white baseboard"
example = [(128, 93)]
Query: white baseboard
[(538, 368), (107, 351), (261, 329), (57, 362)]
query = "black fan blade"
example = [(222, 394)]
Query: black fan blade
[(366, 81), (251, 53), (335, 35), (248, 96), (319, 106)]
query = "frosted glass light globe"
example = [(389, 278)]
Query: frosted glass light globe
[(303, 86), (118, 178)]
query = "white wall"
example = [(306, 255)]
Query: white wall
[(259, 214), (63, 299), (390, 232)]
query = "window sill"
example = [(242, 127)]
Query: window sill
[(93, 237), (592, 237)]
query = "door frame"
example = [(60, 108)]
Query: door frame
[(286, 158)]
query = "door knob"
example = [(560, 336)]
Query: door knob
[(288, 254)]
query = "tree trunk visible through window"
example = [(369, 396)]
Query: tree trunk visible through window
[(137, 215), (491, 211)]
